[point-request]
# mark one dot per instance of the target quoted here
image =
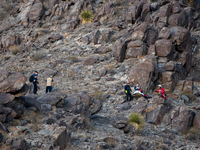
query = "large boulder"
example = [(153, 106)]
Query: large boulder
[(11, 82), (135, 49), (163, 47), (182, 119), (77, 104), (196, 122), (178, 19), (144, 72), (30, 101), (119, 50), (9, 40), (6, 97), (36, 11), (53, 98), (155, 110)]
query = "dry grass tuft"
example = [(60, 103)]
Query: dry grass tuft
[(137, 120)]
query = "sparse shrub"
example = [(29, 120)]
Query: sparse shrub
[(86, 16), (111, 69), (73, 59), (6, 57), (192, 134), (71, 74), (190, 2), (137, 120), (97, 95), (15, 49), (37, 56)]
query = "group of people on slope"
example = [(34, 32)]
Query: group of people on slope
[(49, 83), (138, 90)]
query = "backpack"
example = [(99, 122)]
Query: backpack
[(31, 78)]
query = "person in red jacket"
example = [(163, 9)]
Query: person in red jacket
[(161, 91)]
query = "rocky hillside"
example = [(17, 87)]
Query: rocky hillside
[(145, 42)]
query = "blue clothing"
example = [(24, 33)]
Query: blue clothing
[(35, 85), (137, 88), (127, 88)]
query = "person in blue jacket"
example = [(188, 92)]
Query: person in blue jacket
[(128, 91)]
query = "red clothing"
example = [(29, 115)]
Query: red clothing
[(162, 92)]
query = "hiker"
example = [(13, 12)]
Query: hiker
[(138, 90), (161, 91), (128, 91), (49, 84), (35, 82), (31, 78)]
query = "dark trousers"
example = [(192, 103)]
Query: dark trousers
[(35, 88), (48, 88), (128, 96)]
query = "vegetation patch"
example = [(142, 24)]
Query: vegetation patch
[(137, 120), (192, 134), (86, 16), (97, 95)]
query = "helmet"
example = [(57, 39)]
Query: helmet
[(159, 85), (128, 82)]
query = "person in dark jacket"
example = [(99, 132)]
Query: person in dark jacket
[(35, 82), (137, 87), (128, 91)]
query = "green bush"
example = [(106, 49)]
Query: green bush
[(137, 120), (86, 16), (192, 134)]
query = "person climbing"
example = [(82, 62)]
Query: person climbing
[(35, 82), (161, 91), (49, 84), (128, 91)]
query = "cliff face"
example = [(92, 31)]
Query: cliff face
[(145, 42)]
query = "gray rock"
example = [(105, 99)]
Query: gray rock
[(12, 83), (30, 101), (53, 98), (184, 97), (6, 97), (124, 106)]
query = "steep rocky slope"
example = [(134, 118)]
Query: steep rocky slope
[(146, 42)]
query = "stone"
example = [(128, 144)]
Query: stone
[(50, 72), (90, 61), (185, 98), (46, 107), (155, 113), (152, 50), (166, 120), (151, 36), (141, 72), (124, 106), (10, 116), (6, 98), (196, 122), (2, 117), (106, 11), (183, 121), (119, 50), (163, 47), (178, 19), (12, 82), (36, 11), (142, 27), (137, 35), (164, 33), (55, 37), (102, 72), (166, 10), (48, 4), (76, 105), (30, 101), (145, 10), (95, 107), (52, 98), (10, 40), (23, 91), (135, 49), (120, 122), (179, 35), (169, 66), (157, 100)]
